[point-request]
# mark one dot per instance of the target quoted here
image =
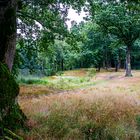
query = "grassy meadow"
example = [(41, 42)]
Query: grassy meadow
[(82, 105)]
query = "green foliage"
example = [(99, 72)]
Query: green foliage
[(9, 135), (120, 22), (101, 42)]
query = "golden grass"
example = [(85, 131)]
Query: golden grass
[(118, 86), (111, 105), (35, 89), (77, 73), (106, 110)]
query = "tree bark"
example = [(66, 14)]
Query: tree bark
[(11, 116), (128, 62), (62, 64), (117, 62), (116, 66), (7, 31)]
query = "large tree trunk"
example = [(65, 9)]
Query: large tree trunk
[(11, 116), (7, 31), (128, 62)]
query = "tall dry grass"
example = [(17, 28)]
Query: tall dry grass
[(107, 110), (95, 116)]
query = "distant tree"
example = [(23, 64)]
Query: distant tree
[(122, 19)]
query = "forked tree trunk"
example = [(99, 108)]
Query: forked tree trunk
[(128, 62)]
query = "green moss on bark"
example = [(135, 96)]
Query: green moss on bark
[(11, 116)]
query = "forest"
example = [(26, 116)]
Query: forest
[(69, 83)]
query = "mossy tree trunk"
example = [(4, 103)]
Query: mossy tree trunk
[(11, 116)]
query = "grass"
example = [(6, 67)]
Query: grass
[(109, 109), (67, 81), (31, 80), (77, 116)]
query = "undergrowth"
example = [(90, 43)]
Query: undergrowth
[(88, 117), (109, 110), (61, 81), (31, 80)]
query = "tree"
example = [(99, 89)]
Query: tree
[(122, 19), (94, 46), (10, 113)]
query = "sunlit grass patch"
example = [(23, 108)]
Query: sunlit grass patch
[(69, 82), (72, 79), (64, 81)]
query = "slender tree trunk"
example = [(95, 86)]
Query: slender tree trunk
[(105, 60), (62, 64), (116, 66), (99, 67), (128, 62), (119, 60)]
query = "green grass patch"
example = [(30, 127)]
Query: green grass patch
[(61, 81), (32, 80), (69, 83)]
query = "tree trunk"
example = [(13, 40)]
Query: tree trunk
[(7, 31), (99, 67), (116, 66), (128, 62), (11, 116), (62, 64)]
